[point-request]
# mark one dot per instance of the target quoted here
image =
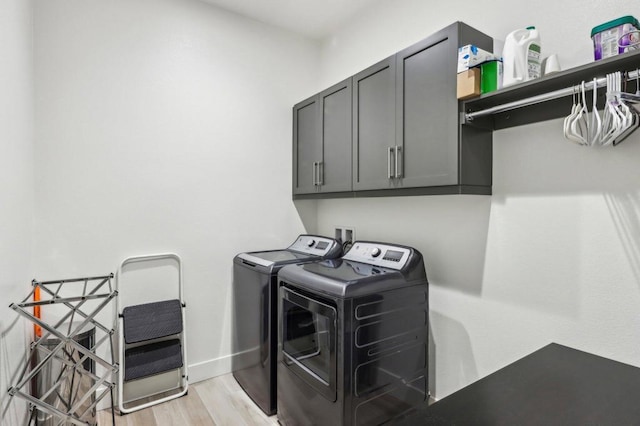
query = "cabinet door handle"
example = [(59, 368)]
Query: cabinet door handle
[(390, 173), (321, 173), (314, 173), (399, 162)]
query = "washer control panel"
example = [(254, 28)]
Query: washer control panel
[(383, 255), (313, 244)]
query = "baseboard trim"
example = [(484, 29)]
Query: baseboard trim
[(211, 368), (197, 372)]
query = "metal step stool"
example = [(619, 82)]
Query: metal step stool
[(152, 342)]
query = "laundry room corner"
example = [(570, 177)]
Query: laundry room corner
[(308, 213), (16, 194)]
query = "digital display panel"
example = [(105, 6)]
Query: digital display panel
[(393, 255), (322, 245)]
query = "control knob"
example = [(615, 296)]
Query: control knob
[(311, 243), (375, 252)]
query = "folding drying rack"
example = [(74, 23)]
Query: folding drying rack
[(152, 341), (71, 395)]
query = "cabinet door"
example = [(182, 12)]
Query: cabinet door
[(335, 168), (427, 112), (307, 149), (374, 126)]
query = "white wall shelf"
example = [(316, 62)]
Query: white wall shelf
[(547, 109)]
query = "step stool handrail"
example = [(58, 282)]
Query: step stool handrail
[(150, 257)]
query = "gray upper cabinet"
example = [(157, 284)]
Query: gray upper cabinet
[(427, 113), (335, 168), (374, 126), (322, 142), (407, 137), (307, 149)]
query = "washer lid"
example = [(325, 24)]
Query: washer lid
[(369, 267), (276, 257), (342, 278), (306, 248)]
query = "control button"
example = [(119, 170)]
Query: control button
[(375, 252), (311, 243)]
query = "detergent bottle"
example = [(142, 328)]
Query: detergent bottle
[(521, 57)]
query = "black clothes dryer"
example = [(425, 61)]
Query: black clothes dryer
[(255, 312), (354, 337)]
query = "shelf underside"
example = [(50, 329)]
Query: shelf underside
[(431, 190)]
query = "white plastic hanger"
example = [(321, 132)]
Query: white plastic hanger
[(579, 128), (567, 121), (596, 121)]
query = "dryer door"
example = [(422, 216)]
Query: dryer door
[(309, 340)]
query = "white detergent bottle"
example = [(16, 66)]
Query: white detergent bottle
[(521, 57)]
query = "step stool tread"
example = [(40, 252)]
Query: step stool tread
[(152, 320), (154, 358)]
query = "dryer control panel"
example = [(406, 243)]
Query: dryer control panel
[(383, 255), (313, 244)]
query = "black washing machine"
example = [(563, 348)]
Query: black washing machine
[(354, 337), (255, 312)]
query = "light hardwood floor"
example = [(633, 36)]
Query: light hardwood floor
[(219, 401)]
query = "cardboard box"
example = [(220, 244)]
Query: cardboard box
[(471, 55), (469, 83)]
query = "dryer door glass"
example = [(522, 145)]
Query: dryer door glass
[(309, 340)]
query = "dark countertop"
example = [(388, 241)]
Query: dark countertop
[(555, 385)]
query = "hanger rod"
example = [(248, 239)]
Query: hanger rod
[(556, 94)]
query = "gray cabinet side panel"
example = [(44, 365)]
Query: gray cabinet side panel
[(469, 35), (373, 125), (477, 156), (336, 138), (476, 144)]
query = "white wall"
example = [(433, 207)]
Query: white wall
[(165, 125), (16, 192), (553, 255)]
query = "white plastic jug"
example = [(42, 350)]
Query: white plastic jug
[(521, 56)]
